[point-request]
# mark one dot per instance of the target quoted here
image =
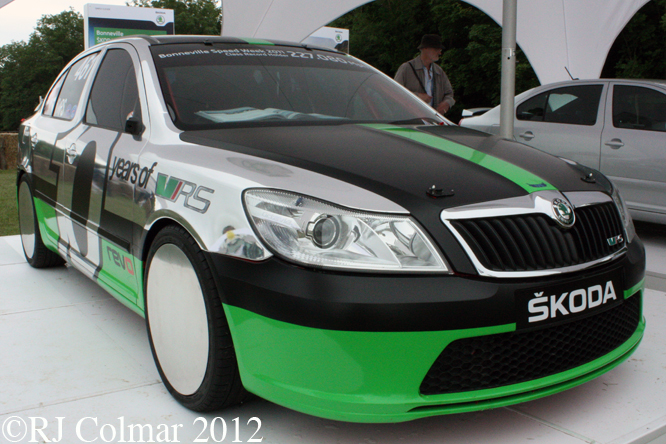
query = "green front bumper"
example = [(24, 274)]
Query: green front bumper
[(375, 376)]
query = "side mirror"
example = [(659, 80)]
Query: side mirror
[(133, 126)]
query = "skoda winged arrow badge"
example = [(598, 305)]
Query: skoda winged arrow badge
[(564, 214)]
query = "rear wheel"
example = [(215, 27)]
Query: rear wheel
[(34, 249), (187, 328)]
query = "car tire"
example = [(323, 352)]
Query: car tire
[(187, 328), (36, 253)]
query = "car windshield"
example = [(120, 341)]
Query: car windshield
[(209, 86)]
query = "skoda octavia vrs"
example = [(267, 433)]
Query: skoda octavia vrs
[(292, 223)]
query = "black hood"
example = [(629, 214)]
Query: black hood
[(401, 169)]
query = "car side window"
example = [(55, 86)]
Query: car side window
[(639, 108), (575, 105), (70, 93), (115, 95), (49, 103), (533, 108)]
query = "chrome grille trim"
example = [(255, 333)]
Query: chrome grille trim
[(538, 203)]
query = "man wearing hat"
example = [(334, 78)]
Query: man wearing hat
[(425, 78)]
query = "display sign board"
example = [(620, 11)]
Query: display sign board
[(102, 23), (334, 38)]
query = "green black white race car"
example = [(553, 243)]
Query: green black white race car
[(294, 224)]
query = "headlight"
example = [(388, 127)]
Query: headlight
[(624, 213), (313, 232)]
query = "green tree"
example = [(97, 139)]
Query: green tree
[(639, 51), (27, 70), (197, 17)]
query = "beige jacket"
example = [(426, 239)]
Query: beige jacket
[(442, 89)]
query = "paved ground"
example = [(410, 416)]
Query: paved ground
[(70, 351)]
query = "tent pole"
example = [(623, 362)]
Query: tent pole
[(508, 91)]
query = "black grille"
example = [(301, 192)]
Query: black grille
[(536, 242), (509, 358)]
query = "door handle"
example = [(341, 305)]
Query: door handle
[(527, 135), (614, 143), (71, 154)]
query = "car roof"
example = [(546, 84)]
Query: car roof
[(603, 80), (563, 83), (657, 81), (154, 40)]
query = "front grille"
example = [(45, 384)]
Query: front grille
[(509, 358), (536, 242)]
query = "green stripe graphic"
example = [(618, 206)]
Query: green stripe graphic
[(166, 186), (523, 178)]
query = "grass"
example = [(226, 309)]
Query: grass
[(8, 211)]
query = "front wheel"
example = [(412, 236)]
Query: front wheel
[(187, 328), (36, 253)]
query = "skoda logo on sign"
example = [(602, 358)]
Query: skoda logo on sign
[(160, 20), (564, 213)]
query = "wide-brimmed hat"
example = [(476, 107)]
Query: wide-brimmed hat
[(431, 41)]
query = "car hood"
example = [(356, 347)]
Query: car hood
[(403, 163)]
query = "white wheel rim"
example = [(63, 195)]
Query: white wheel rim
[(26, 220), (177, 319)]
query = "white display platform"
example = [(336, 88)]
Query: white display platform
[(71, 351)]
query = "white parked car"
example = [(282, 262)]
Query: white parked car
[(612, 125)]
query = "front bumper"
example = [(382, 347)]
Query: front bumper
[(357, 347)]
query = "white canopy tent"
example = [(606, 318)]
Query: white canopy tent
[(554, 34), (575, 34), (291, 20)]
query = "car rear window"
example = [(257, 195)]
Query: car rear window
[(70, 93), (224, 84), (639, 108), (49, 104)]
